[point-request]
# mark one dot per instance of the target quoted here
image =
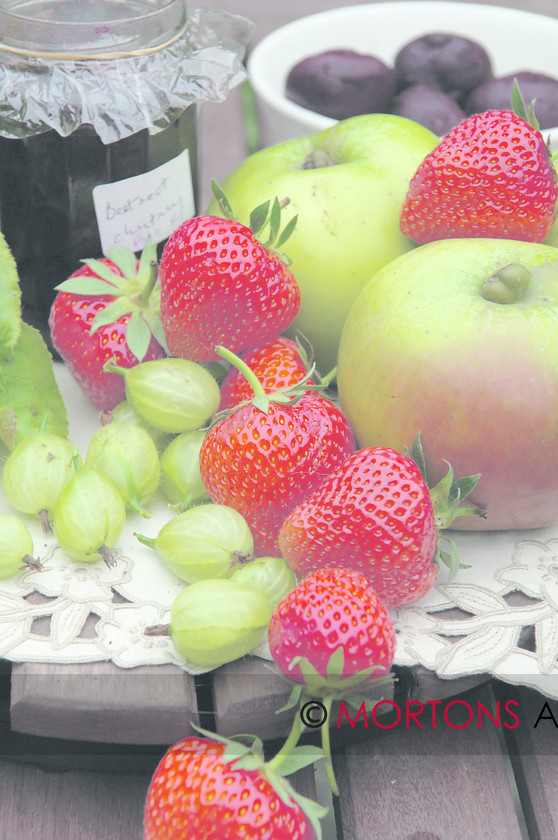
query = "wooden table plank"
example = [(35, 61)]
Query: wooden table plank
[(247, 696), (100, 702), (90, 804), (533, 749), (437, 783), (64, 806)]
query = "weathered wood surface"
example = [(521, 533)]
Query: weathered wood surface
[(435, 783), (88, 805), (247, 695), (398, 784), (147, 705), (100, 702), (98, 804), (533, 750)]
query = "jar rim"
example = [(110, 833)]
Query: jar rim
[(89, 29)]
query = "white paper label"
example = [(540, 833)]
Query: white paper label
[(154, 203)]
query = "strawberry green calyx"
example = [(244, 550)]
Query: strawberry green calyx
[(333, 684), (136, 291), (507, 285), (261, 399), (528, 114), (520, 108), (246, 752), (265, 216), (447, 497), (328, 688)]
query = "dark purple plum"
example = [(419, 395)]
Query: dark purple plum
[(433, 109), (496, 95), (450, 63), (342, 83)]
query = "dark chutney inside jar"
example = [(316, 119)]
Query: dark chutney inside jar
[(47, 213)]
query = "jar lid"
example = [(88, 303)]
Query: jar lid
[(119, 73), (88, 28)]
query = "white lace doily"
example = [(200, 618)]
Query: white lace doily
[(498, 617)]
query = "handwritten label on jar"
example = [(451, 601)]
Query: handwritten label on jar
[(154, 203)]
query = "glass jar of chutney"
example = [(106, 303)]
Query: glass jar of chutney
[(99, 105)]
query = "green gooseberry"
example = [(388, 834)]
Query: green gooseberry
[(218, 621), (16, 546), (203, 542), (36, 472), (174, 395), (272, 577), (126, 454), (181, 480), (89, 517), (124, 412)]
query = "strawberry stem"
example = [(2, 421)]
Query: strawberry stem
[(326, 746), (247, 372), (288, 746), (143, 297), (328, 378)]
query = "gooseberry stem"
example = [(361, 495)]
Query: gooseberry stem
[(30, 563), (107, 555), (45, 522), (239, 559), (149, 541)]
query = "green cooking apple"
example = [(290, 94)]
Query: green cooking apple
[(458, 340), (347, 185)]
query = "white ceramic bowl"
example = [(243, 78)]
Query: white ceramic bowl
[(515, 40)]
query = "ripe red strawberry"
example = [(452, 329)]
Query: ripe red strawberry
[(221, 285), (266, 457), (108, 309), (375, 514), (277, 364), (197, 794), (491, 176), (331, 610)]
